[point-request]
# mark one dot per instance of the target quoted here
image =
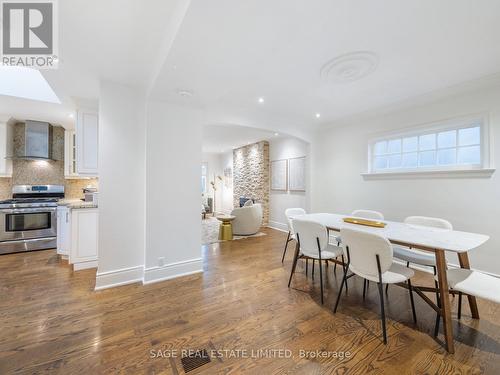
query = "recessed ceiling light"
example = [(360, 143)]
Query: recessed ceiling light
[(71, 115), (318, 115), (261, 100), (276, 134)]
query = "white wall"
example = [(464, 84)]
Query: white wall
[(279, 201), (173, 224), (121, 185), (471, 204)]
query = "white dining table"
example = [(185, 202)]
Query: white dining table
[(434, 240)]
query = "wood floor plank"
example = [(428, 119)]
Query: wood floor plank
[(53, 322)]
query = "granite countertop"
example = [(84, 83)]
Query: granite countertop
[(76, 203)]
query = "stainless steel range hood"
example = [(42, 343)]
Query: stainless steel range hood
[(37, 141)]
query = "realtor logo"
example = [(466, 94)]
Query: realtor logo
[(29, 33)]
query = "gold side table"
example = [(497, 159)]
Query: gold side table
[(226, 228)]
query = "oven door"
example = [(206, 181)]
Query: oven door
[(27, 223)]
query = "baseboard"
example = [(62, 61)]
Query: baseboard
[(84, 265), (173, 270), (119, 277), (278, 226)]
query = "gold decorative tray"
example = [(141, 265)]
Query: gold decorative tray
[(369, 223)]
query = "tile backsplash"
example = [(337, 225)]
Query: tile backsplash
[(73, 188)]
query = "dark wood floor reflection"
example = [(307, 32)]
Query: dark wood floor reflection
[(51, 320)]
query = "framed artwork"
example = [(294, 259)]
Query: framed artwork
[(279, 175), (297, 174)]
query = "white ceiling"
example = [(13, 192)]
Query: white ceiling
[(223, 138), (229, 53)]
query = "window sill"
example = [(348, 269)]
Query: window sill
[(459, 173)]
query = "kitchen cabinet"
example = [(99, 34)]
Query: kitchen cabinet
[(84, 238), (6, 149), (63, 231), (70, 170), (87, 142)]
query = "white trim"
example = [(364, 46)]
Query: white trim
[(173, 270), (119, 277), (414, 174), (278, 226), (84, 265)]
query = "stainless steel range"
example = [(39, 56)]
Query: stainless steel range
[(28, 221)]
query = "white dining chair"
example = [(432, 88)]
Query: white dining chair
[(414, 256), (473, 283), (312, 239), (289, 214), (370, 256), (370, 215), (420, 257)]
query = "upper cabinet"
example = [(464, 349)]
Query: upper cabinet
[(5, 149), (70, 170), (87, 133)]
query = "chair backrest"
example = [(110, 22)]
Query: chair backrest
[(367, 214), (290, 213), (429, 222), (308, 232), (363, 250)]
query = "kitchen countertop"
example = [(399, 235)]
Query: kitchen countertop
[(76, 203)]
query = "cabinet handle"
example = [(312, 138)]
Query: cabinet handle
[(67, 217)]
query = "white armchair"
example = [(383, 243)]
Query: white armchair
[(248, 219)]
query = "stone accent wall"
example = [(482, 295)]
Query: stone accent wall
[(251, 175)]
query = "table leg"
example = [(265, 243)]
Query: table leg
[(463, 258), (445, 300)]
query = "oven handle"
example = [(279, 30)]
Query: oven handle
[(27, 210)]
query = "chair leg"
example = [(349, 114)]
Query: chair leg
[(321, 279), (386, 288), (335, 267), (438, 315), (412, 302), (459, 305), (382, 311), (286, 245), (344, 266), (408, 264), (364, 288), (295, 259), (307, 265), (344, 280)]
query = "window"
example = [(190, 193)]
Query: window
[(204, 168), (455, 145)]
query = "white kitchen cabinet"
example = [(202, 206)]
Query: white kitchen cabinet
[(6, 149), (87, 141), (84, 238), (63, 231)]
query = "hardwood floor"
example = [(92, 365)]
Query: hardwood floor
[(53, 322)]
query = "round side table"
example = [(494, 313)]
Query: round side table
[(226, 228)]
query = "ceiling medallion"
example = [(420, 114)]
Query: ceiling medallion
[(349, 67)]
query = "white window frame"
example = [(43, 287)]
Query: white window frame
[(484, 169)]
